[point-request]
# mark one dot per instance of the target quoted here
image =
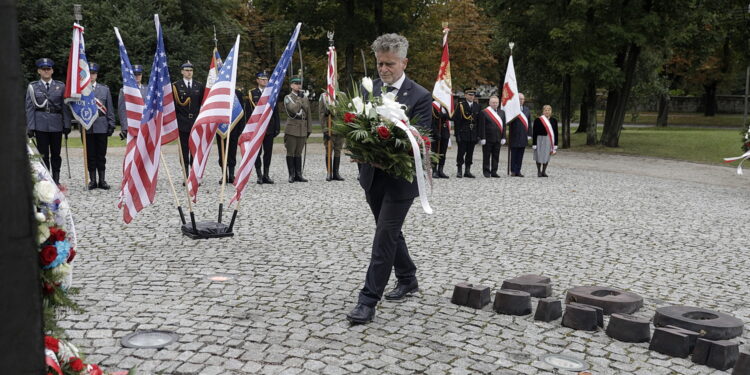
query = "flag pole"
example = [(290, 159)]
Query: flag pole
[(171, 184), (187, 192), (329, 144), (225, 156), (511, 44), (85, 157)]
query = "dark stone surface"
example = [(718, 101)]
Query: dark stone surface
[(723, 354), (611, 300), (670, 342), (461, 293), (742, 366), (710, 324), (548, 309), (536, 285), (599, 313), (479, 296), (580, 317), (512, 302), (701, 350), (692, 335), (628, 328)]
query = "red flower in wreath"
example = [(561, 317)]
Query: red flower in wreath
[(383, 132), (48, 255), (426, 140), (48, 289), (76, 364), (72, 255), (95, 370), (52, 343), (349, 117), (56, 234)]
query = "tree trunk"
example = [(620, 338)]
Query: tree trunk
[(349, 42), (617, 99), (589, 100), (583, 121), (663, 109), (709, 99), (566, 112), (378, 11), (21, 331)]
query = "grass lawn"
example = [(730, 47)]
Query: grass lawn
[(677, 119), (708, 146)]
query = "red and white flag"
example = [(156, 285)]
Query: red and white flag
[(216, 109), (510, 102), (331, 79), (443, 90)]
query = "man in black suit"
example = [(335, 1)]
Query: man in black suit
[(188, 97), (389, 197), (492, 135), (465, 117), (518, 137)]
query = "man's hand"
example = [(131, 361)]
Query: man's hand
[(123, 135), (502, 141), (110, 132), (30, 133), (66, 131), (482, 142), (308, 134), (528, 138), (533, 147)]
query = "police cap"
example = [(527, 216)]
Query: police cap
[(93, 68), (137, 69), (187, 65), (296, 79), (262, 74), (45, 63)]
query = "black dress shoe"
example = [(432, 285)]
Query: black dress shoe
[(401, 291), (494, 175), (486, 174), (103, 185), (92, 185), (519, 175), (267, 180), (468, 174), (544, 174), (361, 314)]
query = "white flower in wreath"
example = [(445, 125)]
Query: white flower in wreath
[(391, 109), (367, 84), (67, 350), (359, 105), (65, 273), (370, 111), (40, 217), (42, 233), (45, 191)]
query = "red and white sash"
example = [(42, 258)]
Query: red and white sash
[(101, 106), (550, 133), (492, 114)]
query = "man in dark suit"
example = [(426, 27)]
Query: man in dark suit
[(188, 97), (518, 136), (465, 117), (492, 135), (389, 197), (273, 129)]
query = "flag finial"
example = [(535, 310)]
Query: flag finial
[(511, 45)]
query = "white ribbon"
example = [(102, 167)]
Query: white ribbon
[(744, 157)]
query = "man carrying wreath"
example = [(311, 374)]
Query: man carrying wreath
[(390, 197)]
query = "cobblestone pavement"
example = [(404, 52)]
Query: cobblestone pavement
[(673, 232)]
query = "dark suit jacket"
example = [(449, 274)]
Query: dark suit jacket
[(540, 129), (465, 118), (274, 125), (517, 131), (418, 102), (488, 130), (187, 114)]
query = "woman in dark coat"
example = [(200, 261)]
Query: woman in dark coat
[(544, 145)]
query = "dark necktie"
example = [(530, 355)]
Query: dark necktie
[(189, 85), (390, 89), (46, 84)]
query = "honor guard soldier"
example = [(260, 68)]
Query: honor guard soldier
[(325, 112), (234, 138), (100, 131), (492, 136), (298, 128), (273, 129), (465, 118), (121, 112), (441, 134), (46, 116), (188, 96)]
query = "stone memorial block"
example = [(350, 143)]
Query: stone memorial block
[(461, 293), (548, 309), (721, 354), (712, 325), (628, 328), (512, 302), (479, 296), (580, 317), (670, 342), (536, 285), (742, 366), (611, 300)]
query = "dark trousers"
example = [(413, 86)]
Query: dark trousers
[(48, 144), (96, 151), (266, 150), (388, 247), (516, 158), (185, 148), (465, 152), (441, 147), (234, 137), (490, 157)]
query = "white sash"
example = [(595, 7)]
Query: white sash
[(495, 118), (744, 157)]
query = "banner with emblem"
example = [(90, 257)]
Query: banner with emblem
[(78, 91), (237, 112), (510, 103), (442, 92)]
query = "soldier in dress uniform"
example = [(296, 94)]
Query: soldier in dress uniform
[(100, 131), (234, 138), (298, 128), (273, 129), (47, 118), (337, 141), (465, 118), (188, 96), (121, 112), (491, 137), (440, 136)]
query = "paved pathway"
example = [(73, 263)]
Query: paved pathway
[(673, 232)]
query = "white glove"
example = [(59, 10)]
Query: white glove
[(502, 141), (533, 147), (554, 148), (528, 138), (483, 142)]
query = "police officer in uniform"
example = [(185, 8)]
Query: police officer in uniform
[(188, 96), (273, 129), (465, 118), (121, 112), (234, 138), (47, 118), (440, 136), (100, 131), (337, 141), (298, 128), (491, 137)]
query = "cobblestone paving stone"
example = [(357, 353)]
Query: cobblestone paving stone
[(669, 231)]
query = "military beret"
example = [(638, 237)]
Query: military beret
[(295, 79), (262, 74), (470, 91), (45, 63), (187, 65), (137, 69), (93, 68)]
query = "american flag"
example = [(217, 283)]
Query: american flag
[(139, 182), (237, 111), (255, 129), (216, 109)]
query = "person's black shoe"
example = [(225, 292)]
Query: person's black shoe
[(92, 185), (519, 175), (267, 180), (441, 174), (260, 180), (435, 173), (544, 174), (103, 185), (494, 175), (539, 174), (468, 174), (459, 173), (361, 314), (486, 174), (401, 291)]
